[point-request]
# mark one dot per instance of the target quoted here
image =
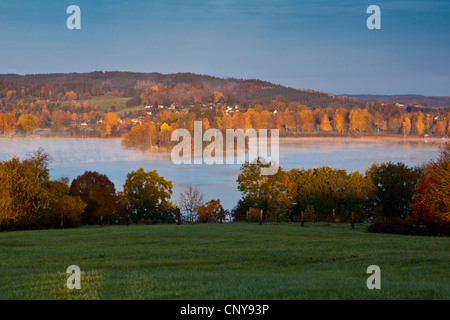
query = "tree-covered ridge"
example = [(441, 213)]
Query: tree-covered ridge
[(408, 99), (147, 108), (237, 90)]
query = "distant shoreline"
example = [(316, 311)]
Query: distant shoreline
[(370, 138), (282, 138)]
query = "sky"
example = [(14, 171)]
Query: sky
[(321, 45)]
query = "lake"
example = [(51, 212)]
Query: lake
[(72, 157)]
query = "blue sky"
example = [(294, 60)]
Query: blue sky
[(314, 44)]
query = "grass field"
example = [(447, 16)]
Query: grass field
[(106, 101), (228, 261)]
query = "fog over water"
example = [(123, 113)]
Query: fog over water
[(72, 157)]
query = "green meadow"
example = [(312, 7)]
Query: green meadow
[(222, 261), (106, 101)]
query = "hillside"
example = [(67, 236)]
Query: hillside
[(76, 105), (406, 99), (237, 90)]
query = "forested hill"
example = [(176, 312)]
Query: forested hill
[(122, 103), (406, 99), (115, 79), (236, 90)]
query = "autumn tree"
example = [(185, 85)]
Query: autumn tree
[(227, 122), (420, 125), (432, 193), (267, 193), (105, 130), (22, 195), (440, 128), (307, 120), (60, 119), (379, 121), (325, 124), (148, 196), (110, 122), (218, 123), (8, 123), (357, 120), (71, 95), (394, 123), (65, 209), (44, 118), (141, 136), (212, 211), (100, 195), (30, 200), (406, 127), (266, 120), (28, 122), (165, 133), (340, 120)]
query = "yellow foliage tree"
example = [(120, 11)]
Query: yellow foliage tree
[(111, 119), (406, 128), (339, 119), (105, 130), (205, 123), (307, 119), (325, 124), (28, 122), (357, 120), (71, 95), (165, 133)]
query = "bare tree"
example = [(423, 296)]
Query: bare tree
[(188, 201)]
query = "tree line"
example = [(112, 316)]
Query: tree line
[(29, 199), (156, 130), (392, 196)]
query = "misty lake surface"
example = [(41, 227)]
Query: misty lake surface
[(72, 157)]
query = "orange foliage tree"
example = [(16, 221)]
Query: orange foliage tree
[(211, 211), (431, 200)]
